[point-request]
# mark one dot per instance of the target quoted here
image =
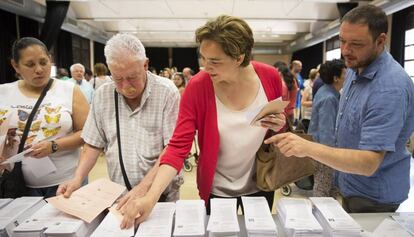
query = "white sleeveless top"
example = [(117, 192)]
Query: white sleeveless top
[(52, 121), (239, 142)]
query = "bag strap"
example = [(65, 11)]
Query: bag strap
[(32, 114), (118, 135)]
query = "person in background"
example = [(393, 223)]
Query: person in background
[(214, 105), (307, 99), (322, 123), (62, 74), (148, 108), (179, 82), (55, 131), (167, 73), (77, 71), (188, 73), (88, 74), (295, 69), (289, 89), (374, 122), (101, 76)]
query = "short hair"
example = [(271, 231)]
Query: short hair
[(62, 72), (76, 65), (24, 43), (122, 43), (295, 62), (100, 69), (370, 15), (330, 69), (88, 72), (232, 33), (312, 73), (279, 64)]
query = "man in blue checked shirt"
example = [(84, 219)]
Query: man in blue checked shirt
[(374, 122)]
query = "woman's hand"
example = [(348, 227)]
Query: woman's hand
[(273, 121), (41, 149), (137, 192), (137, 210)]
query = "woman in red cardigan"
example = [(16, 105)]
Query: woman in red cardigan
[(215, 104)]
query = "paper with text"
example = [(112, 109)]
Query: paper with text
[(89, 201)]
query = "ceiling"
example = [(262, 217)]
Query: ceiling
[(171, 23), (277, 24)]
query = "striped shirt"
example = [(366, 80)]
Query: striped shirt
[(144, 131)]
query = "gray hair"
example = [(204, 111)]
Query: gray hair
[(123, 43), (76, 65)]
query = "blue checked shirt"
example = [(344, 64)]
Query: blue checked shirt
[(376, 113)]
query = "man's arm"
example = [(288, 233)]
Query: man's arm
[(87, 160), (352, 161)]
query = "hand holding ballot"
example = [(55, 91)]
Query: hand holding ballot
[(269, 115)]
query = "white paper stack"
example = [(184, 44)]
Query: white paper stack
[(190, 218), (257, 217), (335, 221), (49, 221), (16, 212), (296, 217), (223, 218), (110, 227), (4, 202), (159, 223)]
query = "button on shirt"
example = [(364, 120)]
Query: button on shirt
[(376, 113), (144, 131)]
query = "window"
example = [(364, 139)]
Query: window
[(80, 50), (409, 53), (333, 50)]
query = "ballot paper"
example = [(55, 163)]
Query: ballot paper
[(4, 202), (389, 228), (190, 218), (257, 217), (334, 219), (273, 107), (17, 158), (110, 227), (159, 223), (49, 221), (406, 220), (17, 211), (90, 200), (223, 218), (296, 217)]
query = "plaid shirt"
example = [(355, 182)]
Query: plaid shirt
[(144, 131)]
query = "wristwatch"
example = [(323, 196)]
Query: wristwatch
[(55, 147)]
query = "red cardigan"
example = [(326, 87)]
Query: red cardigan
[(198, 112)]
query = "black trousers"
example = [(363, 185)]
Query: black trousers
[(366, 205), (269, 196)]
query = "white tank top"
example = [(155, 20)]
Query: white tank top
[(52, 121), (239, 142)]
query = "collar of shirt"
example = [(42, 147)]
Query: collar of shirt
[(370, 71)]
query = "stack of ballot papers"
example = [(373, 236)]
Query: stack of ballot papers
[(257, 217), (296, 217), (4, 202), (335, 221), (18, 210), (223, 218), (49, 221), (159, 223), (111, 226), (269, 109), (190, 218)]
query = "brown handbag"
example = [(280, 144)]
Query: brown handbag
[(274, 170)]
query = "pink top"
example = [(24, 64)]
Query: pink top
[(198, 112)]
